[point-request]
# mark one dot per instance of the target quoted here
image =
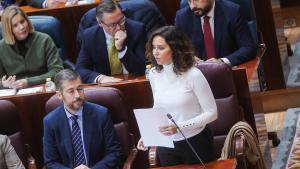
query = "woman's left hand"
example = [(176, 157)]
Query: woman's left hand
[(22, 83), (168, 130)]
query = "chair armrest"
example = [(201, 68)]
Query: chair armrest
[(153, 160), (261, 50), (130, 159), (131, 155), (31, 161), (240, 152)]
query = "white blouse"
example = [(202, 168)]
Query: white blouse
[(187, 97)]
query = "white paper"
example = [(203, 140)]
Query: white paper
[(8, 92), (149, 121), (30, 90)]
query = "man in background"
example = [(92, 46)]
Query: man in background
[(218, 31), (115, 46)]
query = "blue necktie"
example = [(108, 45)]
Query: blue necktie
[(79, 157)]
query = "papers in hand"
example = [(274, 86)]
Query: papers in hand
[(149, 121)]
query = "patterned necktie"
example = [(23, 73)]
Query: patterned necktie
[(114, 62), (208, 39), (79, 157)]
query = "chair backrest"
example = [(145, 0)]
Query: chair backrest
[(247, 8), (144, 11), (10, 125), (220, 79), (51, 26), (112, 99)]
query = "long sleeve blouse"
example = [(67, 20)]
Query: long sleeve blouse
[(187, 97)]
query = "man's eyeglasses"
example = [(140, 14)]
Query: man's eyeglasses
[(121, 23)]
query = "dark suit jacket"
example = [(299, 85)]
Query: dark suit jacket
[(35, 3), (93, 56), (231, 34), (100, 141)]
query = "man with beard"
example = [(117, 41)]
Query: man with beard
[(218, 30), (78, 134)]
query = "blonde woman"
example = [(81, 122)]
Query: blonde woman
[(27, 57)]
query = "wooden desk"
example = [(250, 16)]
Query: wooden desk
[(70, 18), (31, 108), (137, 93), (221, 164)]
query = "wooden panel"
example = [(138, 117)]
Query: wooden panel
[(168, 9), (220, 164), (280, 100), (271, 61)]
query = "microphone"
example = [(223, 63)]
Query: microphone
[(189, 144)]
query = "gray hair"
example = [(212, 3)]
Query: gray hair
[(106, 6), (65, 75)]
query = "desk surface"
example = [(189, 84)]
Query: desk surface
[(220, 164)]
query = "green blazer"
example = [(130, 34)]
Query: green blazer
[(40, 61)]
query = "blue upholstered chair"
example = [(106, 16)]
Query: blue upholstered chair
[(51, 26), (140, 10)]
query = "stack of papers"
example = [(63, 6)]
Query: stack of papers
[(149, 121), (8, 92), (30, 90)]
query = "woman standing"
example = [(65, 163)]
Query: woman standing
[(27, 57), (182, 90)]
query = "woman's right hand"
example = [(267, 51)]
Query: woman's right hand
[(9, 81), (141, 146)]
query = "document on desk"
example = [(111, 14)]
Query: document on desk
[(30, 90), (8, 92), (149, 121)]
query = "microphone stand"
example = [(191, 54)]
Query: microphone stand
[(189, 144)]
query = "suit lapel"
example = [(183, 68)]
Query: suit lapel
[(218, 27), (65, 127), (87, 129), (101, 50), (198, 35)]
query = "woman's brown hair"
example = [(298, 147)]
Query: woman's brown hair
[(181, 47)]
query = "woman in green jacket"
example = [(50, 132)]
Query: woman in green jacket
[(27, 57)]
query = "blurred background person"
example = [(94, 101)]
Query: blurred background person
[(27, 57), (8, 156), (182, 90)]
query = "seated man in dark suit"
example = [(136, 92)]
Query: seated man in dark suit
[(218, 31), (78, 134), (115, 46)]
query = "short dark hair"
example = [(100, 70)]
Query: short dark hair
[(180, 44), (65, 75), (106, 6)]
